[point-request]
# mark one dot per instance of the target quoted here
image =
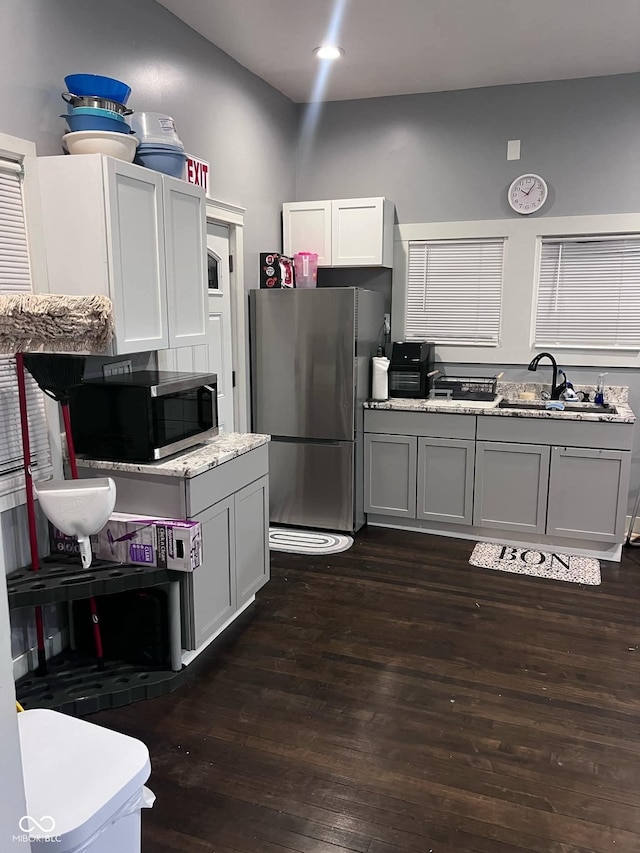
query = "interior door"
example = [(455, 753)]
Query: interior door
[(215, 355), (219, 351)]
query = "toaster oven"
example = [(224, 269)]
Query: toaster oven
[(410, 369)]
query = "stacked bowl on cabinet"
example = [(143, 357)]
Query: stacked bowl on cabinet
[(97, 115)]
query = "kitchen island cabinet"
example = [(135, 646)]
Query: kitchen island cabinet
[(224, 485), (134, 235)]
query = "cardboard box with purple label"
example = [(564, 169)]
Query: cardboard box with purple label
[(164, 542)]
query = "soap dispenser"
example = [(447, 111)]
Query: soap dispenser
[(599, 398)]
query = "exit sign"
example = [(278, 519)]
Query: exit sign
[(198, 173)]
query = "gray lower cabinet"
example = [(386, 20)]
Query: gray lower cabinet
[(445, 479), (231, 503), (252, 539), (390, 474), (212, 591), (587, 493), (235, 544), (511, 486)]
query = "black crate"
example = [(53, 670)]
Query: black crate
[(467, 387)]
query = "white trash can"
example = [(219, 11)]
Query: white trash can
[(84, 785)]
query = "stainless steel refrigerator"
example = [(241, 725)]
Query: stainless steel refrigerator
[(310, 357)]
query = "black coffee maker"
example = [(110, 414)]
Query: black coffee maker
[(411, 364)]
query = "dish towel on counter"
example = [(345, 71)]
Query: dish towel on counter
[(539, 564)]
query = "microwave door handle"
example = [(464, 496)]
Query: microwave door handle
[(200, 397)]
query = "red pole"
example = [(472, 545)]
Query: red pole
[(66, 417), (31, 510)]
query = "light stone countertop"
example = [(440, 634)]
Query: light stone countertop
[(192, 462), (616, 395)]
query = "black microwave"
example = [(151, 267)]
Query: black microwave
[(143, 416)]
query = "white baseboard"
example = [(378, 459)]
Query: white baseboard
[(189, 657), (603, 551), (28, 661)]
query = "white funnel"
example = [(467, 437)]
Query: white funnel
[(78, 508)]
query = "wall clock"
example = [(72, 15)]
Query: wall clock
[(528, 193)]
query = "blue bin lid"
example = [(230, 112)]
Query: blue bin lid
[(160, 149)]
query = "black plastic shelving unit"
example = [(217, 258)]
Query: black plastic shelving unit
[(74, 685)]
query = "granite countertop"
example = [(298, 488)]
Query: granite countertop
[(192, 462), (615, 395)]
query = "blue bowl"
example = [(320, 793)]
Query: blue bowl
[(94, 111), (100, 87), (167, 162), (90, 122)]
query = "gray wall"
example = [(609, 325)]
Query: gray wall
[(442, 157), (224, 113)]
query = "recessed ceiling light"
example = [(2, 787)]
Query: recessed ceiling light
[(328, 51)]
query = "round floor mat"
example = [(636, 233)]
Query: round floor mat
[(307, 541)]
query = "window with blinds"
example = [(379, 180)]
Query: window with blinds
[(15, 277), (589, 292), (454, 292)]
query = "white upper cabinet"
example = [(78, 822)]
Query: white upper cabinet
[(307, 228), (135, 274), (186, 258), (134, 235), (354, 232)]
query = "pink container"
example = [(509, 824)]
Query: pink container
[(306, 264)]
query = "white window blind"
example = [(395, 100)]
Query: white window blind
[(15, 277), (589, 292), (454, 292)]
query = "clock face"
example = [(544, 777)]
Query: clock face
[(527, 193)]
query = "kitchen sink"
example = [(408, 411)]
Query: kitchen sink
[(585, 408)]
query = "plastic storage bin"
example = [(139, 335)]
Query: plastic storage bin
[(87, 780), (155, 129), (163, 158)]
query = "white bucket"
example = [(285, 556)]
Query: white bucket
[(84, 785)]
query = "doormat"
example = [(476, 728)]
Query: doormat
[(307, 541), (539, 564)]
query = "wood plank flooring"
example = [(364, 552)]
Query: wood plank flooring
[(394, 698)]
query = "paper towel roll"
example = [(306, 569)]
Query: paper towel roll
[(380, 381)]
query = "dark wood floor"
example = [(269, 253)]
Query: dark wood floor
[(393, 698)]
